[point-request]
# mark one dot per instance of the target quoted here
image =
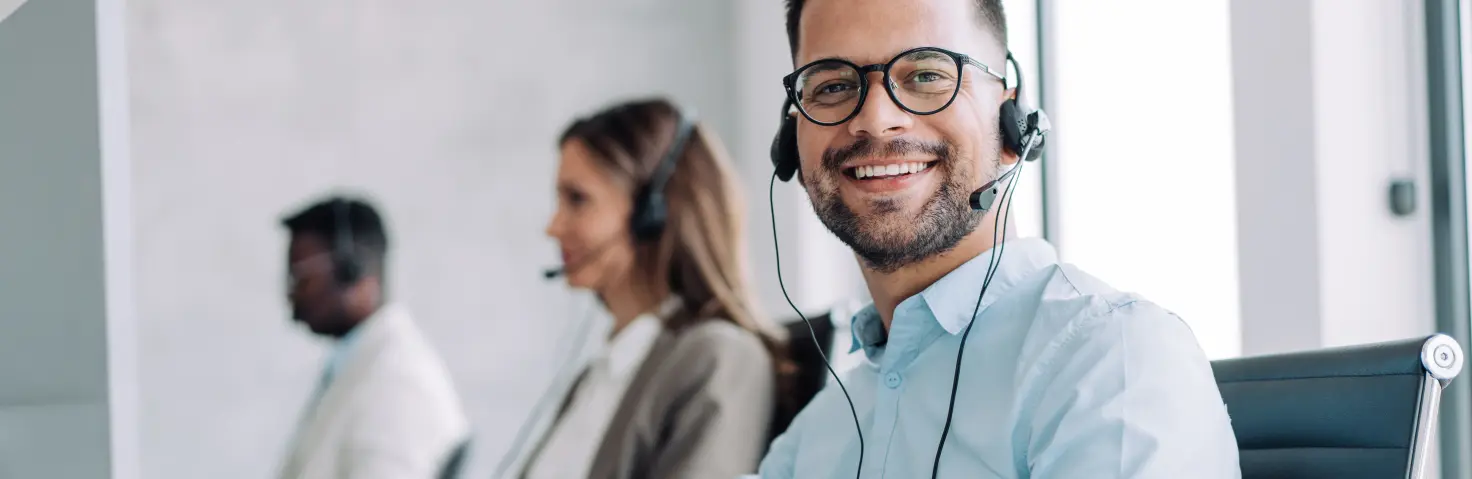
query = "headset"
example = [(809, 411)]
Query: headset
[(651, 208), (346, 269), (1023, 133)]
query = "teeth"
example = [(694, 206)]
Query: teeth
[(873, 171)]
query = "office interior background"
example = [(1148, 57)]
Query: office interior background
[(1231, 160)]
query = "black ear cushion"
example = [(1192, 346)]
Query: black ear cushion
[(1013, 122), (784, 149), (345, 269), (649, 217)]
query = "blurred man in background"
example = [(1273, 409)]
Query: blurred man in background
[(385, 406)]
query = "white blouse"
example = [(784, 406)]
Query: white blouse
[(574, 440)]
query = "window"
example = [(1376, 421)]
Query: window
[(1143, 149)]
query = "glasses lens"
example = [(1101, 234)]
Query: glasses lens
[(925, 80), (828, 91)]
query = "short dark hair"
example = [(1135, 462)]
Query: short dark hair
[(361, 220), (988, 12)]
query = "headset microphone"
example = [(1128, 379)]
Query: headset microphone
[(1036, 123), (572, 266), (983, 198)]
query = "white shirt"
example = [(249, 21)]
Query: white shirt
[(1062, 377), (569, 450)]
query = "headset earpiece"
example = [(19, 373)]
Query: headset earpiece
[(346, 269), (650, 215), (1013, 126), (651, 211), (784, 145)]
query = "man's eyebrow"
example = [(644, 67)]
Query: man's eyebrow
[(828, 59), (825, 65)]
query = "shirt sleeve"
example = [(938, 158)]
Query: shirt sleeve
[(1127, 394)]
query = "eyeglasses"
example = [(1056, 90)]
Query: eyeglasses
[(922, 81)]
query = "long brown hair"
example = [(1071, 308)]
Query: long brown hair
[(700, 256)]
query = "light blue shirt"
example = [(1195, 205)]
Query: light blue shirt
[(1062, 378)]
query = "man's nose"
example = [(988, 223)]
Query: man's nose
[(879, 116)]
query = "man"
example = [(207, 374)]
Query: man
[(385, 407), (1062, 376)]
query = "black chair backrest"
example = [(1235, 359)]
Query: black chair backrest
[(456, 461), (811, 374), (1342, 413)]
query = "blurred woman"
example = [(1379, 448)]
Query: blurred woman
[(649, 218)]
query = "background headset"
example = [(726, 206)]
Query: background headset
[(346, 269), (651, 207), (1023, 132)]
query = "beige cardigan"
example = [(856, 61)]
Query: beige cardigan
[(699, 407)]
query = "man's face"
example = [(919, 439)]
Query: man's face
[(893, 221), (315, 296)]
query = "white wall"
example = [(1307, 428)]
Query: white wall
[(1328, 98), (446, 112), (1369, 97)]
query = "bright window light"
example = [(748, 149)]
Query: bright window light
[(1143, 137)]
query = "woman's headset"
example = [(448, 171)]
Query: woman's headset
[(651, 209), (1018, 126)]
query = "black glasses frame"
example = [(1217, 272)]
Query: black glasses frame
[(789, 82)]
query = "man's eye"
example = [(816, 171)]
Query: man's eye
[(833, 88)]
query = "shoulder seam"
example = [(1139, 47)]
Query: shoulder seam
[(1115, 306), (1070, 334), (1062, 271)]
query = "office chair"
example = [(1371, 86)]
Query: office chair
[(810, 375), (1354, 412), (453, 464)]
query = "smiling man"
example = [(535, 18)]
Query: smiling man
[(897, 121)]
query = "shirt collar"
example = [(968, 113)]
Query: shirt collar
[(952, 298), (627, 348)]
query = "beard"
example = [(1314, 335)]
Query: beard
[(890, 238)]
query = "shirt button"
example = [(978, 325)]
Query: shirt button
[(892, 380)]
